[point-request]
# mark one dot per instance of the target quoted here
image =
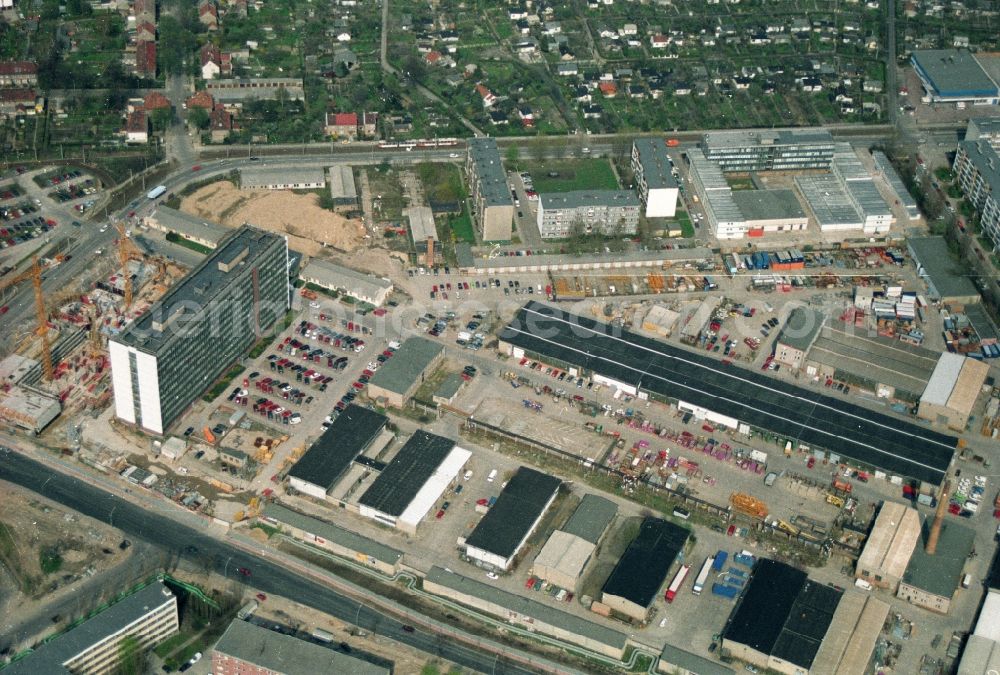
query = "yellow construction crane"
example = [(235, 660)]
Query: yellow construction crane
[(127, 251), (35, 274)]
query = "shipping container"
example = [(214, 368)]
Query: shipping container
[(720, 560), (725, 591)]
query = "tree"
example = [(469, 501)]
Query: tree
[(162, 118), (132, 658), (512, 156), (198, 118)]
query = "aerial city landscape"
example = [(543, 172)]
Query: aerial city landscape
[(601, 336)]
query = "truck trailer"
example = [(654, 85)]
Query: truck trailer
[(156, 192)]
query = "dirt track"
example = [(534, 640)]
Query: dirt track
[(299, 216)]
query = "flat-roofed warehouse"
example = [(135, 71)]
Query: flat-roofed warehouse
[(326, 460), (674, 660), (282, 178), (198, 230), (405, 491), (831, 206), (660, 320), (889, 546), (28, 408), (982, 649), (953, 75), (503, 531), (343, 189), (728, 395), (946, 280), (952, 391), (518, 610), (770, 210), (338, 540), (780, 619), (889, 368), (358, 285), (563, 559), (636, 579), (399, 377)]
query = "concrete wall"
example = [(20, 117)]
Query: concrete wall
[(305, 487), (921, 598)]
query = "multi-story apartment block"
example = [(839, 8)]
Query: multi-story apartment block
[(96, 646), (783, 150), (187, 339), (654, 177), (977, 166), (986, 129), (18, 74), (492, 204), (610, 212)]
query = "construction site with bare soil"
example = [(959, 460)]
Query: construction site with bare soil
[(310, 227)]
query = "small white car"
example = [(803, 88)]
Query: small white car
[(314, 304), (493, 575), (468, 475)]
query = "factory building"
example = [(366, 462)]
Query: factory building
[(637, 578), (267, 178), (982, 648), (654, 177), (977, 166), (400, 377), (936, 567), (563, 559), (358, 285), (953, 76), (770, 211), (492, 204), (677, 661), (889, 546), (198, 230), (423, 233), (175, 350), (952, 391), (780, 150), (797, 336), (501, 534), (415, 478), (660, 320), (727, 395), (724, 217), (249, 649), (875, 214), (343, 189), (147, 617), (936, 266), (609, 212), (354, 431)]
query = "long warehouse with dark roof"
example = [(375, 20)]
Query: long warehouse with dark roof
[(416, 477), (331, 455), (505, 528), (728, 395), (643, 568)]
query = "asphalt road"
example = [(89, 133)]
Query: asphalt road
[(226, 560)]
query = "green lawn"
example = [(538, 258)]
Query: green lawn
[(222, 384), (175, 238), (687, 229), (461, 226), (565, 175)]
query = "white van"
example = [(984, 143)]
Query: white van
[(862, 584), (492, 477)]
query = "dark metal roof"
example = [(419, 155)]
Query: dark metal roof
[(643, 568), (519, 505), (591, 518), (782, 613), (807, 416), (327, 459), (402, 479)]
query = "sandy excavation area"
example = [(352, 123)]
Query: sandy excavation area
[(298, 215)]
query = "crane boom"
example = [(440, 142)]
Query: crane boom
[(35, 274)]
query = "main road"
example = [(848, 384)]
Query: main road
[(226, 559)]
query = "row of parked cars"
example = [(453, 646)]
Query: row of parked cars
[(25, 230), (9, 213), (327, 336), (10, 192), (59, 178), (68, 193)]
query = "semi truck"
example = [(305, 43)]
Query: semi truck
[(156, 192), (675, 585), (699, 582)]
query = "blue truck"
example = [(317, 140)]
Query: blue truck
[(725, 591), (720, 560)]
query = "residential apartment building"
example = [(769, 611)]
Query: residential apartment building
[(610, 212), (986, 129), (782, 150), (492, 204), (95, 647), (169, 355), (977, 166), (654, 177), (18, 74)]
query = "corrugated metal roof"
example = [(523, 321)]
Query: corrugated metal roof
[(968, 386), (828, 201), (943, 379), (988, 625), (592, 517), (891, 542)]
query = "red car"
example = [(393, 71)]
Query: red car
[(530, 583), (196, 167), (261, 597), (4, 309), (440, 514), (358, 385), (243, 571), (811, 463)]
